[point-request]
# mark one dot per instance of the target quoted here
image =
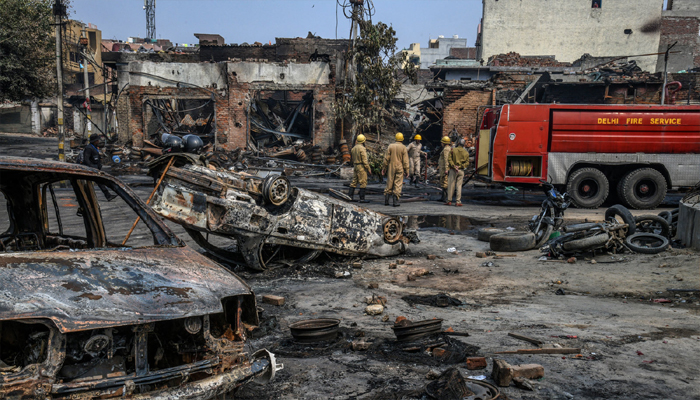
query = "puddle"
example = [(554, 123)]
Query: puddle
[(443, 223)]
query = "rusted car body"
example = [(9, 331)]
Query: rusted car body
[(266, 219), (82, 317)]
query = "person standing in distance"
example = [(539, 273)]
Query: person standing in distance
[(92, 159), (458, 162), (444, 166), (360, 169), (396, 165)]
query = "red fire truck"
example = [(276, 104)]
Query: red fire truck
[(639, 151)]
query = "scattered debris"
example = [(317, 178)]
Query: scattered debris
[(315, 330), (503, 373), (374, 309), (474, 363), (373, 285), (523, 383), (527, 339), (438, 300), (274, 300), (563, 350)]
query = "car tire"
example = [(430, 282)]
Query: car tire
[(643, 188), (484, 234), (667, 216), (621, 211), (512, 241), (592, 243), (588, 187), (653, 224), (636, 243)]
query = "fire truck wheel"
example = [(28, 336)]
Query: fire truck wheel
[(512, 241), (588, 187), (643, 188)]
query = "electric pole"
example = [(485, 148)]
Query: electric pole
[(150, 7), (59, 11), (86, 79)]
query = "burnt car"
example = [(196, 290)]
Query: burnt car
[(257, 220), (84, 314)]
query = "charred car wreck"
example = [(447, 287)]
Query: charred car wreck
[(265, 220), (82, 315)]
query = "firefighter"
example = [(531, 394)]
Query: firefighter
[(414, 154), (361, 169), (458, 162), (92, 159), (443, 166), (396, 164)]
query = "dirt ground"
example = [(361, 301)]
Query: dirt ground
[(631, 346)]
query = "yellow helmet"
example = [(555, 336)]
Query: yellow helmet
[(417, 137), (399, 137), (446, 140), (361, 138)]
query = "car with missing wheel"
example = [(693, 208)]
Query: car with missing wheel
[(86, 314), (257, 220)]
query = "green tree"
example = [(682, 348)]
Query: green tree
[(376, 82), (27, 63)]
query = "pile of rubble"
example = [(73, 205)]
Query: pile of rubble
[(514, 59)]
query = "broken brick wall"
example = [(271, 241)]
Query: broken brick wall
[(461, 108), (683, 30), (139, 117), (242, 92), (284, 49)]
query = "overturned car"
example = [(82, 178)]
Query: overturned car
[(264, 219), (85, 315)]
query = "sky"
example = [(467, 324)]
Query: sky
[(239, 21)]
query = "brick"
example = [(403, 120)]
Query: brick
[(440, 353), (503, 373), (400, 261), (476, 363), (373, 285), (410, 277), (431, 256), (392, 266), (272, 299)]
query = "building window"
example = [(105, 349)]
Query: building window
[(597, 4)]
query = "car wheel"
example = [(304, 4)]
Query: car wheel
[(618, 213), (588, 188), (275, 190), (646, 243), (484, 234), (589, 243), (513, 241), (653, 224), (643, 188)]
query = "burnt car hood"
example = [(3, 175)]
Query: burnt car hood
[(93, 289)]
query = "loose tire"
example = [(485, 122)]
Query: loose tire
[(589, 243), (512, 241), (624, 214), (588, 188), (646, 243), (643, 188), (653, 224), (484, 234)]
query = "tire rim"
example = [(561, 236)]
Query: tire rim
[(588, 188), (278, 191), (644, 189)]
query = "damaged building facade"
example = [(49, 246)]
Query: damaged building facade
[(570, 28), (235, 97)]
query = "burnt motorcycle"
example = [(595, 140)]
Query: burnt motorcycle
[(551, 215)]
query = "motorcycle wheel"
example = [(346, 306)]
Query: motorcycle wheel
[(544, 231), (589, 243)]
